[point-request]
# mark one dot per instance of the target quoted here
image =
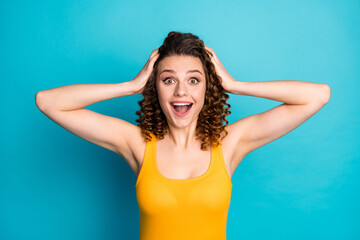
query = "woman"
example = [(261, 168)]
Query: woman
[(182, 154)]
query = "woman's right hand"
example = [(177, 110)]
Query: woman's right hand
[(143, 76)]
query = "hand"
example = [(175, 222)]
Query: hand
[(227, 79), (143, 76)]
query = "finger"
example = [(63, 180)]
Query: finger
[(153, 59), (155, 56), (154, 52), (209, 48), (211, 53)]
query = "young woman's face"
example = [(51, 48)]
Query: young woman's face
[(181, 79)]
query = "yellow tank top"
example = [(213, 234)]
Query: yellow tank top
[(191, 209)]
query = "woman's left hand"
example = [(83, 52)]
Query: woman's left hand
[(227, 80)]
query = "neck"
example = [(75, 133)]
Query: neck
[(183, 138)]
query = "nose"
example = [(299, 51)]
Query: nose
[(181, 89)]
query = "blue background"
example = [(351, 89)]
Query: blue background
[(55, 185)]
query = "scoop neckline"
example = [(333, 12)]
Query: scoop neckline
[(181, 179)]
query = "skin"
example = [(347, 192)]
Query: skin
[(181, 86), (300, 101)]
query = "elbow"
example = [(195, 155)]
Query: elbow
[(326, 93), (39, 96)]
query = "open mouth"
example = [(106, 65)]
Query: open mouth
[(181, 109)]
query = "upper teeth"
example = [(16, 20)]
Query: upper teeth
[(181, 104)]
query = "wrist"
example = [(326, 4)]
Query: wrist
[(133, 87), (236, 87), (126, 88)]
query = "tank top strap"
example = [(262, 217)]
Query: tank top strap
[(147, 163), (220, 161)]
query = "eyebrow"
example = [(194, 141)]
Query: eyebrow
[(172, 71)]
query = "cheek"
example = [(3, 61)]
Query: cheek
[(162, 94), (200, 94), (164, 98)]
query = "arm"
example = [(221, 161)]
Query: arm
[(301, 100), (65, 106), (77, 96), (291, 92)]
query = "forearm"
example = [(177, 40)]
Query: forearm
[(76, 96), (286, 91)]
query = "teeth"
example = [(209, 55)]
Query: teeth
[(181, 104)]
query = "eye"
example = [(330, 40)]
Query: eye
[(170, 79), (197, 80), (165, 80)]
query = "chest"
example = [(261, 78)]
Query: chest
[(179, 164), (182, 165)]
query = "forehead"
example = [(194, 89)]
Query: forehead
[(180, 64)]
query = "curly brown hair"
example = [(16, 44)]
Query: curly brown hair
[(213, 114)]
